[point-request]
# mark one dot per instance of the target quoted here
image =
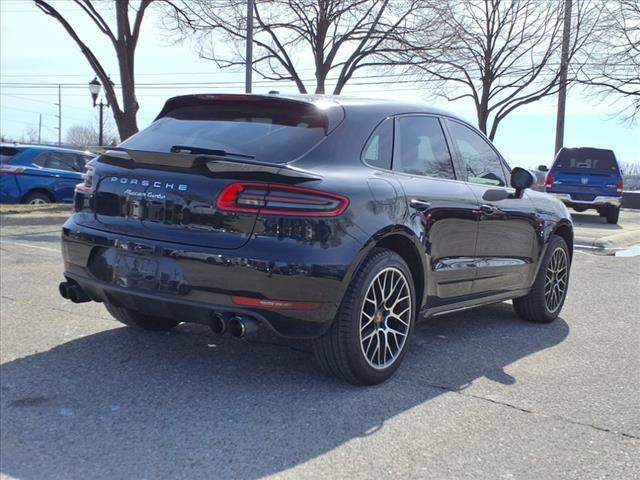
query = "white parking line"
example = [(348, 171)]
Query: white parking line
[(19, 244)]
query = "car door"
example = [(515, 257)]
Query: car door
[(58, 172), (506, 246), (443, 209)]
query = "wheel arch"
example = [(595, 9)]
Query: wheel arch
[(404, 242), (41, 190), (565, 231)]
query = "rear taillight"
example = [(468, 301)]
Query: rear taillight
[(279, 199), (87, 184), (620, 185), (11, 169), (548, 182)]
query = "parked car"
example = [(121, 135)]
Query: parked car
[(339, 220), (39, 174), (587, 178)]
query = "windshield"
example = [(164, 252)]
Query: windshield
[(273, 133), (587, 159)]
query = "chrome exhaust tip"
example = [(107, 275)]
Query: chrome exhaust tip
[(240, 326)]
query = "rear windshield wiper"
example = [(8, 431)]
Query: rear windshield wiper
[(208, 151)]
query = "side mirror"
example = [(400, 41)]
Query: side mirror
[(543, 168), (521, 179)]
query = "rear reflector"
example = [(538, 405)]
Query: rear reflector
[(280, 199), (274, 304), (11, 169)]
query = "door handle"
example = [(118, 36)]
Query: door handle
[(419, 205), (489, 209)]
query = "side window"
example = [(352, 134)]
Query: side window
[(78, 163), (62, 161), (481, 161), (421, 148), (377, 151), (41, 160)]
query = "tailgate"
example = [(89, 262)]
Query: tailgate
[(590, 182), (167, 206)]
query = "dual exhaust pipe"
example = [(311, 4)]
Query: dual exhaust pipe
[(237, 325), (72, 291)]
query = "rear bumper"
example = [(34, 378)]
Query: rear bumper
[(190, 284), (598, 201)]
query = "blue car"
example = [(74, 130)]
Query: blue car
[(587, 178), (39, 174)]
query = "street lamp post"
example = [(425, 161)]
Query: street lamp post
[(94, 88)]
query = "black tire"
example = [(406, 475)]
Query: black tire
[(339, 351), (613, 213), (135, 319), (37, 198), (603, 212), (533, 307)]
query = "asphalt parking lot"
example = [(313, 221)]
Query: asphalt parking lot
[(481, 394)]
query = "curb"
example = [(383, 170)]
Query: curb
[(609, 242)]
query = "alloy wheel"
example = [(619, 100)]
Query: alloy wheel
[(555, 282), (385, 318), (37, 201)]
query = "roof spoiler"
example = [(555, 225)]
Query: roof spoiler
[(214, 163)]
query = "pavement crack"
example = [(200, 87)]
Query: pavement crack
[(532, 412)]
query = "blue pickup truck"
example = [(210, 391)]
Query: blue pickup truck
[(39, 174), (587, 178)]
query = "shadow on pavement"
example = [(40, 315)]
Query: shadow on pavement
[(127, 404)]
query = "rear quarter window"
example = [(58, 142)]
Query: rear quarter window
[(7, 153), (379, 148)]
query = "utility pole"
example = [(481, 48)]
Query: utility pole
[(564, 67), (249, 52), (40, 130), (59, 114)]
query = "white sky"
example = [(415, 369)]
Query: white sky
[(35, 48)]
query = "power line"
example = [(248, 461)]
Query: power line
[(42, 101)]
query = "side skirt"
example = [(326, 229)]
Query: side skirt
[(468, 304)]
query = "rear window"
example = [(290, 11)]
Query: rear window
[(583, 159), (274, 132), (7, 153)]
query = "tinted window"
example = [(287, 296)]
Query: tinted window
[(421, 148), (587, 159), (60, 161), (481, 161), (7, 153), (275, 131), (377, 151), (41, 160)]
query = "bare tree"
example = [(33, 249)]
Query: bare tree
[(612, 66), (83, 136), (631, 175), (124, 39), (29, 136), (333, 36), (499, 54)]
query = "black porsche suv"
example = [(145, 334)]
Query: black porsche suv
[(340, 220)]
